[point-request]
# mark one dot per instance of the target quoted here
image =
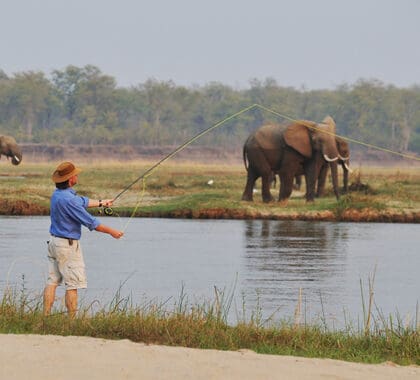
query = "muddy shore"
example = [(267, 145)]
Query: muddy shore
[(24, 208)]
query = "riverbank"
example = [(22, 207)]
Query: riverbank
[(22, 208), (114, 359), (204, 325), (213, 191)]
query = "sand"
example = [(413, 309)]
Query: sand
[(55, 357)]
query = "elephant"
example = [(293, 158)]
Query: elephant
[(302, 147), (10, 148), (343, 160)]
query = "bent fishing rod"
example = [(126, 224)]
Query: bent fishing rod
[(109, 211)]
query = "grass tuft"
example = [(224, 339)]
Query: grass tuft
[(205, 326)]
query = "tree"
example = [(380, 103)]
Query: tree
[(29, 94), (88, 98)]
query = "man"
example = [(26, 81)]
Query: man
[(68, 214)]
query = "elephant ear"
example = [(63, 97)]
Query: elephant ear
[(297, 136), (329, 121)]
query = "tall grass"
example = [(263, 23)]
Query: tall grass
[(206, 325)]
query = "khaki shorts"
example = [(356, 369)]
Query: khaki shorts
[(66, 264)]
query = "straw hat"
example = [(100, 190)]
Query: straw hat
[(65, 171)]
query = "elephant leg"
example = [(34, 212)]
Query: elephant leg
[(345, 179), (273, 180), (286, 187), (291, 166), (249, 187), (311, 174), (321, 181), (266, 182), (310, 187)]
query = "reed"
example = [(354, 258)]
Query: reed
[(205, 325)]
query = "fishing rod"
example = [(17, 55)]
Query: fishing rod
[(109, 211)]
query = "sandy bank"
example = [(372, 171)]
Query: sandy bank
[(56, 357)]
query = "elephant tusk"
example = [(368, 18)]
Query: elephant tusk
[(348, 168), (16, 158), (330, 159), (344, 158)]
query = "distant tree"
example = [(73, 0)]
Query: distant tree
[(159, 107), (28, 99), (66, 83), (83, 105), (407, 109), (88, 97)]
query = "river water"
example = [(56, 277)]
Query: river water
[(263, 267)]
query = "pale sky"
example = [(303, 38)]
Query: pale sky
[(315, 44)]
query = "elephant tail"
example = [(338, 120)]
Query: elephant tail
[(245, 158)]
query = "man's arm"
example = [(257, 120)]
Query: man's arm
[(100, 202), (108, 230)]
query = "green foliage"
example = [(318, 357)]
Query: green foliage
[(357, 202), (204, 325), (83, 105)]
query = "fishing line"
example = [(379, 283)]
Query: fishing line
[(343, 137), (109, 211), (181, 147)]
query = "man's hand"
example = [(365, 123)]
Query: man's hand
[(117, 234), (100, 203), (107, 202)]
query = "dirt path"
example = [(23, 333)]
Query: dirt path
[(55, 357)]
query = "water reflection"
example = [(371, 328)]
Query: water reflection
[(283, 256), (267, 261)]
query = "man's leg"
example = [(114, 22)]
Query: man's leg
[(49, 296), (71, 302)]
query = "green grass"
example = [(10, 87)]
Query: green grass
[(182, 189), (205, 326)]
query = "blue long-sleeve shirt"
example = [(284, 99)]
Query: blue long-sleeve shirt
[(68, 214)]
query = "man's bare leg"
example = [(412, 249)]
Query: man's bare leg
[(71, 302), (49, 297)]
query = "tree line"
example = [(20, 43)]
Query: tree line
[(82, 105)]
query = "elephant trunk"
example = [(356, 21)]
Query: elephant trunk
[(16, 159), (346, 171), (346, 165), (244, 157), (334, 175), (16, 155)]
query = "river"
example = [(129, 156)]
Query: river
[(265, 268)]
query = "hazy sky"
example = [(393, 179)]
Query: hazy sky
[(310, 43)]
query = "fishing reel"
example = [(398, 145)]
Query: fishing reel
[(108, 211)]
